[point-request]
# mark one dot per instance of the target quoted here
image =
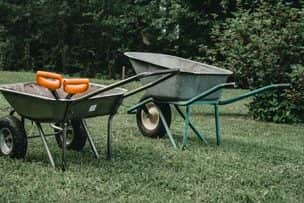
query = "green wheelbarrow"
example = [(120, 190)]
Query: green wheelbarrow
[(195, 84)]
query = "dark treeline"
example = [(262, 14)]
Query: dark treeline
[(260, 40), (89, 36)]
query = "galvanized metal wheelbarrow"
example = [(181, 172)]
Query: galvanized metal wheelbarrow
[(196, 83), (65, 103)]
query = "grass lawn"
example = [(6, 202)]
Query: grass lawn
[(257, 162)]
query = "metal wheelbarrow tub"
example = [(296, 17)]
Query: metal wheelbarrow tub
[(65, 108), (38, 104), (193, 79)]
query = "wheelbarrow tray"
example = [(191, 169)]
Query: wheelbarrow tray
[(38, 103), (193, 79)]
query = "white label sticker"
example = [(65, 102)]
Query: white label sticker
[(92, 108)]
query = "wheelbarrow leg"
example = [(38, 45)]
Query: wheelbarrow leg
[(217, 125), (93, 147), (45, 144), (65, 127), (109, 138), (163, 120), (186, 127), (201, 137)]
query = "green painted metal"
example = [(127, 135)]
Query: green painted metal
[(217, 124), (186, 126), (199, 135), (199, 100), (163, 120), (253, 92), (205, 94)]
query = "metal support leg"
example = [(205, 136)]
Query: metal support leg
[(217, 125), (65, 129), (201, 137), (186, 127), (93, 147), (163, 120), (109, 138), (45, 144)]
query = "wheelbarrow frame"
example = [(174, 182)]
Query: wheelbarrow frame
[(199, 100), (72, 101)]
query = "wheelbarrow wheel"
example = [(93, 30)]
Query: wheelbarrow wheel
[(76, 136), (149, 121), (13, 140)]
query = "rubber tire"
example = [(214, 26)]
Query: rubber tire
[(79, 139), (19, 136), (160, 130)]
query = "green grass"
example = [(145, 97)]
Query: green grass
[(257, 162)]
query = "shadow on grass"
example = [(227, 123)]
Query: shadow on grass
[(122, 155), (126, 156)]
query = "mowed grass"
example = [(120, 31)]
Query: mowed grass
[(257, 161)]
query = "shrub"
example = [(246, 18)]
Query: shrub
[(261, 48)]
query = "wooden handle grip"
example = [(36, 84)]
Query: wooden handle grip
[(73, 86), (49, 80)]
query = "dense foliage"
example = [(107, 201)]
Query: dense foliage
[(260, 40), (264, 47), (90, 36)]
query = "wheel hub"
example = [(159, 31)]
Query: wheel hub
[(69, 135), (151, 119), (6, 141)]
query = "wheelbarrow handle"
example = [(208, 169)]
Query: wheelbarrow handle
[(254, 92), (208, 92), (167, 73)]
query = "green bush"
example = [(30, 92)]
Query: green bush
[(296, 93), (262, 47)]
